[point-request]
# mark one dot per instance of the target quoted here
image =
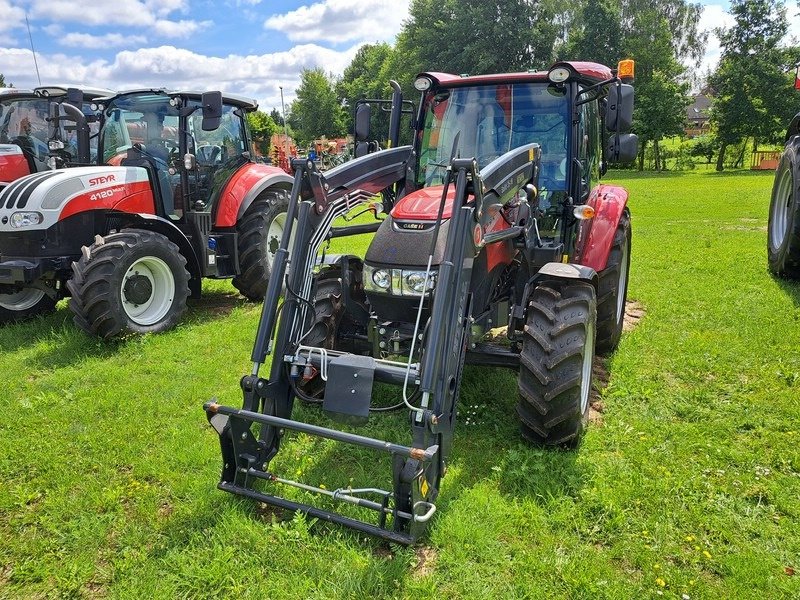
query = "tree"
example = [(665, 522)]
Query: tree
[(3, 83), (366, 77), (661, 109), (316, 110), (492, 36), (600, 37), (262, 128), (276, 117), (750, 85)]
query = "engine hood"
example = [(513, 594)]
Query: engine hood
[(56, 194), (423, 205)]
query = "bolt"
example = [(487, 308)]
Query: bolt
[(244, 435), (382, 331), (382, 345), (352, 391), (260, 384), (355, 374)]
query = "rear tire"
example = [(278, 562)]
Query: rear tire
[(25, 304), (134, 281), (260, 230), (783, 230), (613, 288), (555, 376)]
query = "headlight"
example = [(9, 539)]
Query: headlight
[(26, 219), (398, 282), (382, 278)]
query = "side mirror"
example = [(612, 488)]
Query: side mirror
[(212, 110), (363, 114), (619, 108), (74, 96), (622, 148)]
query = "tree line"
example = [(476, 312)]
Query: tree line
[(751, 88)]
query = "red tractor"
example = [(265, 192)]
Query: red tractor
[(783, 231), (26, 134), (179, 199), (496, 218)]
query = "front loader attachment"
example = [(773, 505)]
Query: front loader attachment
[(250, 437)]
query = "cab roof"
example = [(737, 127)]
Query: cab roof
[(247, 104), (586, 72)]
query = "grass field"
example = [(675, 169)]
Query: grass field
[(689, 486)]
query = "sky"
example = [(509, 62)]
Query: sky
[(247, 47)]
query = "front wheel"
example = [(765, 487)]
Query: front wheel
[(783, 230), (555, 375), (260, 230), (24, 304), (134, 281)]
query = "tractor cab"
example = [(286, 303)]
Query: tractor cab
[(190, 147), (26, 131)]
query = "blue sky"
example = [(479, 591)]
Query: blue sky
[(249, 47)]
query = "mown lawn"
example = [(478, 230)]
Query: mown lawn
[(689, 487)]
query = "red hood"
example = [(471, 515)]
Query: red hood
[(423, 205)]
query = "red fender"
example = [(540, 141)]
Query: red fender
[(243, 187), (596, 235), (135, 197), (13, 166)]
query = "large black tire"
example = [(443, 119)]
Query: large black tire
[(259, 232), (24, 304), (613, 288), (134, 281), (783, 230), (555, 375)]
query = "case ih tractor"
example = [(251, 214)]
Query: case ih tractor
[(179, 199), (783, 230), (25, 131), (496, 218)]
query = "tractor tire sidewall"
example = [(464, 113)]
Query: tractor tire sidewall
[(562, 316), (97, 282), (255, 265), (784, 260), (609, 322), (44, 305)]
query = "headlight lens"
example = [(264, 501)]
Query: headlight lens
[(382, 278), (398, 282), (26, 219)]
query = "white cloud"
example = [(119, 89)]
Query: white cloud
[(164, 7), (256, 76), (342, 21), (10, 16), (179, 29), (109, 40)]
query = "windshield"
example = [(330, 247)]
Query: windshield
[(488, 121)]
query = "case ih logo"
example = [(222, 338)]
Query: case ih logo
[(102, 179)]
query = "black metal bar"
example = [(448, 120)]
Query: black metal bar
[(331, 434), (504, 234), (266, 323), (354, 229), (386, 373), (325, 515), (394, 117)]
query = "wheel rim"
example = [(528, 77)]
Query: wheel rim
[(22, 300), (274, 235), (586, 371), (779, 217), (622, 284), (147, 290)]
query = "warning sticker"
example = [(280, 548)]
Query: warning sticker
[(423, 486)]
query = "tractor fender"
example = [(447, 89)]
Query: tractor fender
[(164, 227), (596, 235), (244, 187), (794, 127), (557, 270)]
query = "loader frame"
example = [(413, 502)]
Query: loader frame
[(316, 201)]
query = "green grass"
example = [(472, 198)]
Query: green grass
[(689, 486)]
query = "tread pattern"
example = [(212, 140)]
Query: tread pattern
[(560, 316), (609, 328), (785, 261), (253, 228), (97, 277)]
